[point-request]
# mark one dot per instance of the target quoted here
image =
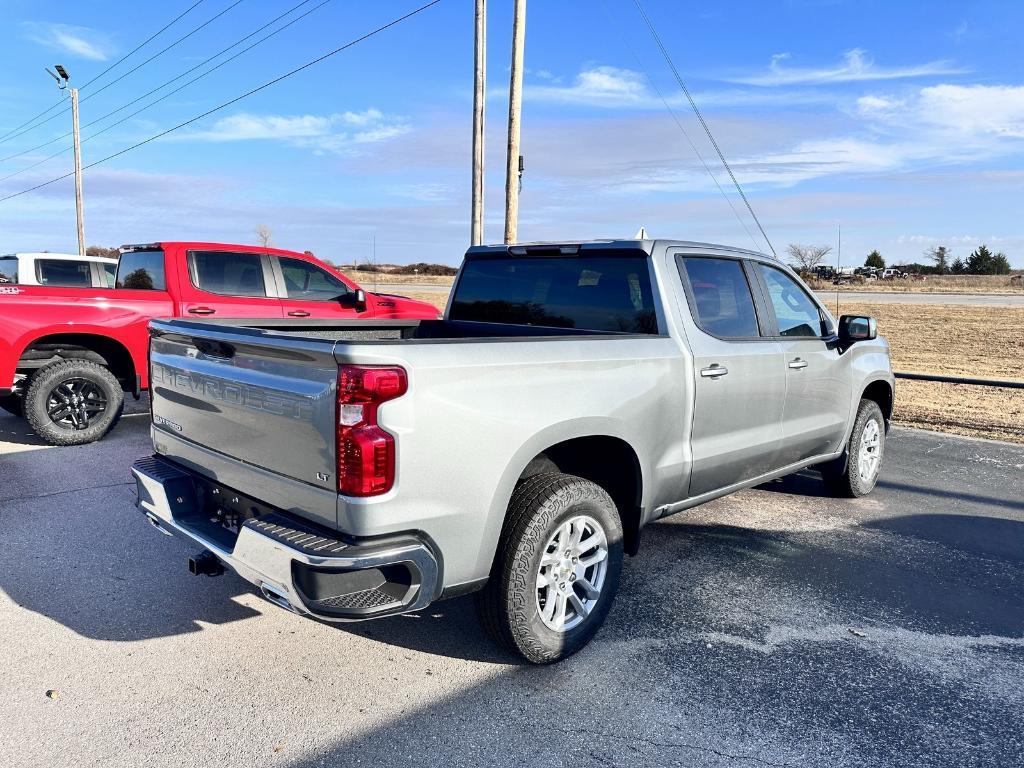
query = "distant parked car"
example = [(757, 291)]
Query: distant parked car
[(892, 273), (61, 270)]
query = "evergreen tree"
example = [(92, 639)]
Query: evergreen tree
[(875, 260), (958, 267), (980, 262)]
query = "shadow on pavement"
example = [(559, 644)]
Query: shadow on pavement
[(729, 643)]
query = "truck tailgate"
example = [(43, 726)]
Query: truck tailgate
[(263, 400)]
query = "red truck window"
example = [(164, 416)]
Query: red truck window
[(228, 274), (310, 283), (142, 271)]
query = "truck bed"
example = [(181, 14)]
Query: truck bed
[(393, 331)]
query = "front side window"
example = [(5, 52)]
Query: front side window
[(60, 272), (722, 303), (229, 274), (307, 282), (8, 270), (589, 293), (141, 271), (795, 313)]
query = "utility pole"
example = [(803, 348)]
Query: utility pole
[(479, 100), (62, 77), (514, 161)]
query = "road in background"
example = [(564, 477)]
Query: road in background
[(882, 297), (774, 627)]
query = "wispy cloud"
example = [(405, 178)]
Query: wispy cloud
[(336, 133), (77, 41), (607, 87), (855, 66), (980, 115)]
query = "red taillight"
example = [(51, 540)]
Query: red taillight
[(366, 453)]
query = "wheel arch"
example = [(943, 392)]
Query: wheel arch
[(595, 449), (104, 350), (881, 392)]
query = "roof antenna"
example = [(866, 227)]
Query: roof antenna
[(641, 234)]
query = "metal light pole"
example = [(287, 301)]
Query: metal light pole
[(62, 77), (514, 161), (479, 100)]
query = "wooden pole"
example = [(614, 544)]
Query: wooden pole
[(78, 173), (479, 101), (515, 106)]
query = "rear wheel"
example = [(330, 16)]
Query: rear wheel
[(557, 568), (73, 402), (855, 473)]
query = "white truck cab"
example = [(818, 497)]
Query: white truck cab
[(57, 269)]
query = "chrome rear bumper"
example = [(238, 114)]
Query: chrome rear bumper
[(294, 566)]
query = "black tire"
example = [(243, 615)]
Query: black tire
[(77, 429), (509, 605), (843, 475), (12, 404)]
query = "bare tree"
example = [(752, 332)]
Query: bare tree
[(807, 257), (940, 255), (263, 234)]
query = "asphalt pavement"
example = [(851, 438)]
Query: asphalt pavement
[(775, 627)]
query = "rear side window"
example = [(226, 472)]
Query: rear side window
[(141, 271), (795, 313), (588, 293), (8, 270), (721, 301), (308, 282), (109, 274), (229, 274), (69, 274)]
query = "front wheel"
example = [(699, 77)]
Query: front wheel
[(557, 568), (855, 473), (73, 402)]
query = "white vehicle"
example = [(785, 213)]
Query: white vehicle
[(57, 269)]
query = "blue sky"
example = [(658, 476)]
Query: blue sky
[(904, 122)]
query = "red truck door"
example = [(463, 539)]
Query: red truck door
[(228, 284), (308, 290)]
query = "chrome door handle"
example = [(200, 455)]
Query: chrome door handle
[(714, 371), (201, 310), (797, 364), (298, 313)]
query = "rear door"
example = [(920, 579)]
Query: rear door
[(818, 393), (307, 290), (229, 284), (739, 375)]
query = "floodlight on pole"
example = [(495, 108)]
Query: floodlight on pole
[(62, 77)]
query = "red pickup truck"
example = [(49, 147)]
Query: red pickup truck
[(68, 355)]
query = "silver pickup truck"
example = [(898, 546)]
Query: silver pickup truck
[(571, 394)]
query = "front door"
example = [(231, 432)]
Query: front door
[(309, 291), (818, 395), (739, 375)]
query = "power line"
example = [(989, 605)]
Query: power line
[(101, 74), (704, 125), (172, 80), (228, 103), (133, 69), (682, 130), (167, 95), (148, 40)]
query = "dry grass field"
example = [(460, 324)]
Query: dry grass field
[(984, 342), (1001, 284), (367, 279)]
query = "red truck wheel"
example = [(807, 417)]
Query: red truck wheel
[(73, 402)]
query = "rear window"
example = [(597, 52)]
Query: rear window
[(721, 301), (61, 272), (142, 271), (589, 293), (8, 269), (228, 274)]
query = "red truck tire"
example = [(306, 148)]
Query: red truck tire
[(73, 402)]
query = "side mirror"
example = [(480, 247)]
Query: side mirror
[(854, 328), (356, 299)]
